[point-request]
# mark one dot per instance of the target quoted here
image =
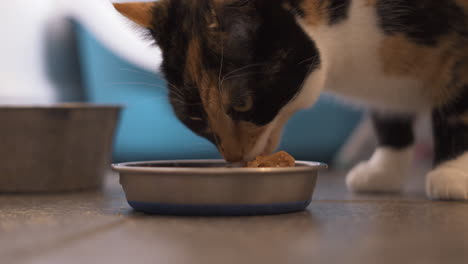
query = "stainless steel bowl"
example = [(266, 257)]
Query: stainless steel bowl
[(55, 148), (209, 187)]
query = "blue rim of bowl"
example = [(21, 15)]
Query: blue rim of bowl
[(218, 210)]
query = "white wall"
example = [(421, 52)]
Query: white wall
[(22, 71), (38, 63)]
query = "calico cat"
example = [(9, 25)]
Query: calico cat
[(239, 69)]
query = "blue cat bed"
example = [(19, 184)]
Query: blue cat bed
[(150, 131)]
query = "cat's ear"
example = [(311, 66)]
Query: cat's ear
[(139, 12)]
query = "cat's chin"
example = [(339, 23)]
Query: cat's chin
[(270, 147), (254, 153), (264, 149), (267, 142)]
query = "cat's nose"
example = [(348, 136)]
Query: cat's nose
[(232, 156)]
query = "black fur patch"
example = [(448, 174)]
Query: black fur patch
[(423, 21), (393, 131), (174, 45), (338, 10), (279, 33), (450, 132)]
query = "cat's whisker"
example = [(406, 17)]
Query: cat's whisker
[(141, 83), (176, 96), (181, 101), (153, 99), (243, 68), (238, 4), (315, 57), (174, 91), (220, 82), (159, 86), (150, 84), (220, 94), (142, 73), (212, 129), (242, 75), (221, 69)]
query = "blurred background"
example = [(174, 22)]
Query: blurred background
[(84, 51)]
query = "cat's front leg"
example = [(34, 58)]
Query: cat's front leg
[(387, 169), (449, 178)]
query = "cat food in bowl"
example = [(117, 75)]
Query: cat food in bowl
[(279, 159), (209, 187)]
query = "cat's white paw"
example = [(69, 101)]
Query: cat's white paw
[(447, 184), (386, 171), (368, 177), (449, 181)]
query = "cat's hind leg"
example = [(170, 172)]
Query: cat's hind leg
[(387, 169), (449, 178)]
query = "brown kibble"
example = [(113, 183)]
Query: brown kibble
[(279, 159)]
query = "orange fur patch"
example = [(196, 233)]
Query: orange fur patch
[(464, 118), (370, 2), (463, 4), (432, 65), (192, 66), (459, 119), (139, 12), (315, 12)]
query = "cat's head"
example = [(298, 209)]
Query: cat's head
[(233, 67)]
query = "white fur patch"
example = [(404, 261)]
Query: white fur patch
[(449, 181), (261, 144), (386, 171), (351, 65), (306, 97)]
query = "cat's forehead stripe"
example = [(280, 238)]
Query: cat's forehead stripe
[(218, 121), (192, 70), (206, 81)]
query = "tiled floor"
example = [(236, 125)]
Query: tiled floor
[(339, 227)]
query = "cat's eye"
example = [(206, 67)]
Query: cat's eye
[(245, 105), (194, 118)]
